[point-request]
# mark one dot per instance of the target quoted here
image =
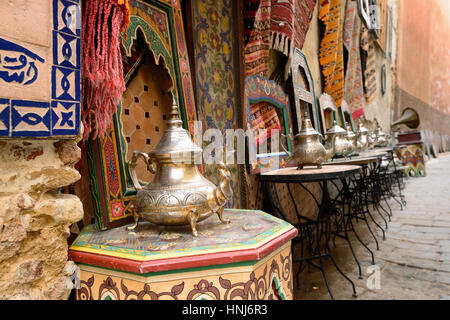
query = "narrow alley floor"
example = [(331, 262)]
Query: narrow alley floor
[(414, 260)]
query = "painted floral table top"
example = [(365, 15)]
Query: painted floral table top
[(250, 235)]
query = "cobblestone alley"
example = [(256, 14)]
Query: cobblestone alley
[(415, 257)]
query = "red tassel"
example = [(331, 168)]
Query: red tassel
[(103, 83)]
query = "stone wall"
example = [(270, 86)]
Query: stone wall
[(35, 217), (381, 107), (423, 68)]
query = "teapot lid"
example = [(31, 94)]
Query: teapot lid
[(350, 132), (175, 139), (307, 128), (336, 130), (362, 129)]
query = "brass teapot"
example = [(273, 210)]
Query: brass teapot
[(178, 193), (351, 136), (382, 138), (338, 138), (308, 150), (362, 136)]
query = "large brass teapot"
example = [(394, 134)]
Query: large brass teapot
[(178, 193), (338, 138), (308, 150)]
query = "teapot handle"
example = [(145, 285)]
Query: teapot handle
[(282, 145), (132, 167)]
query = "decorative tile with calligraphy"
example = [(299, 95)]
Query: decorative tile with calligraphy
[(40, 77)]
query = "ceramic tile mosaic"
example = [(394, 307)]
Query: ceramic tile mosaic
[(40, 86)]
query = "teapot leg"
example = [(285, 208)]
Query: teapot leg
[(221, 218), (192, 218), (136, 219)]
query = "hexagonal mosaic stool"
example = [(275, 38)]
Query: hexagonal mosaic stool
[(250, 258)]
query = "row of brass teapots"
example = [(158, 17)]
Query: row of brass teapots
[(367, 139), (178, 193), (308, 150), (381, 138), (337, 136)]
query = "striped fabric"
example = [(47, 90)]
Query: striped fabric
[(264, 116), (353, 86), (331, 49), (257, 37)]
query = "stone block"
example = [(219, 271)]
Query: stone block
[(28, 271)]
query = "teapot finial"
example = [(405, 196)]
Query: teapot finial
[(174, 112), (174, 120)]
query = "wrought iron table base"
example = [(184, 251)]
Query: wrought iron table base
[(305, 226)]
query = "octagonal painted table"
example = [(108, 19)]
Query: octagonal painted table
[(250, 258)]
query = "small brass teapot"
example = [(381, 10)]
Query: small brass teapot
[(308, 150), (362, 136), (338, 138), (351, 136), (178, 193), (382, 138)]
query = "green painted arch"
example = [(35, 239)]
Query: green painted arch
[(155, 44)]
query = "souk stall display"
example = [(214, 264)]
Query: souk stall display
[(249, 258), (178, 253)]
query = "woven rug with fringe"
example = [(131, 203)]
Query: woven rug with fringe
[(274, 24), (257, 37), (353, 84), (370, 80), (304, 10), (102, 74), (331, 49), (282, 20)]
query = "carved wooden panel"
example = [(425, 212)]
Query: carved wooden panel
[(304, 92), (328, 110)]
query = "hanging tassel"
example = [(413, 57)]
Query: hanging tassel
[(102, 74)]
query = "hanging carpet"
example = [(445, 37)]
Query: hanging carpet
[(273, 24), (370, 80), (331, 49), (257, 37), (353, 85)]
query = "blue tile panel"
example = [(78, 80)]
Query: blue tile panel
[(60, 116)]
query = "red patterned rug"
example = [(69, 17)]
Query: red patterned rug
[(282, 20), (257, 37), (264, 116), (273, 24), (353, 85), (303, 13)]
